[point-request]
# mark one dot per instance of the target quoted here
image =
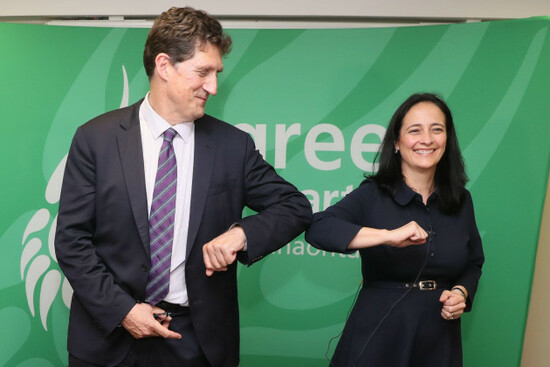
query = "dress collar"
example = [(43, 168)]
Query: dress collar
[(404, 194)]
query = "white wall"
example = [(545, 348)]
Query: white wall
[(450, 10)]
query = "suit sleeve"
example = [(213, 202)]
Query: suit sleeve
[(92, 283), (282, 211)]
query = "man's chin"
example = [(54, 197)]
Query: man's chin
[(198, 114)]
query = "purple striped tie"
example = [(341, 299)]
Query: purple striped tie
[(161, 221)]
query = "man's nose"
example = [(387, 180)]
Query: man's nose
[(211, 85)]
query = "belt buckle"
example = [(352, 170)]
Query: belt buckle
[(427, 285)]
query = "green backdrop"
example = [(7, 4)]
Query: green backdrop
[(317, 103)]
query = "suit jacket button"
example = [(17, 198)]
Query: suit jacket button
[(144, 268)]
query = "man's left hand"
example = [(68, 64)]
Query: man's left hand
[(222, 250)]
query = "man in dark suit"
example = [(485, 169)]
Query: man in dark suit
[(132, 306)]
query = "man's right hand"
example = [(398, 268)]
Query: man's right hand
[(141, 323)]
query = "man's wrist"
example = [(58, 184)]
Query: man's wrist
[(241, 230)]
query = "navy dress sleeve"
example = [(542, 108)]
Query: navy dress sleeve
[(333, 229), (472, 272)]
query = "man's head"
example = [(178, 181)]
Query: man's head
[(182, 57), (179, 32)]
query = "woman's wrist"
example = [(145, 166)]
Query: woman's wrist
[(369, 237), (461, 291)]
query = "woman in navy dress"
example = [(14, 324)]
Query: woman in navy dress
[(413, 223)]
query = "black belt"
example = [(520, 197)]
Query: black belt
[(423, 285), (173, 309)]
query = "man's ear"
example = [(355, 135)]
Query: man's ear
[(162, 65)]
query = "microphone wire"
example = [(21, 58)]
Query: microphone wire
[(342, 331), (430, 236)]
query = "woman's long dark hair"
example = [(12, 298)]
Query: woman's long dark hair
[(450, 176)]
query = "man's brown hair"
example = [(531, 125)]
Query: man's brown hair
[(178, 32)]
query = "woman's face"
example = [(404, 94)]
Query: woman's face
[(422, 138)]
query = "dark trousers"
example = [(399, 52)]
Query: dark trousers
[(160, 352)]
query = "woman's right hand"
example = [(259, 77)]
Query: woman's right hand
[(410, 234)]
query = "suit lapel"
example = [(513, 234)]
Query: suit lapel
[(202, 174), (131, 156)]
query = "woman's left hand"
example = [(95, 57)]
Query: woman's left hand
[(454, 304)]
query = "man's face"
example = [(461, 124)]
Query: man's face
[(192, 81)]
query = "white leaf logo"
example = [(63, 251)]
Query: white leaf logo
[(38, 265), (36, 260)]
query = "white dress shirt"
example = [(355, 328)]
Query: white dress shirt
[(152, 127)]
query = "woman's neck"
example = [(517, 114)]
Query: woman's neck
[(421, 182)]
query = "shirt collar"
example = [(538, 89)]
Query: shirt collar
[(158, 125)]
